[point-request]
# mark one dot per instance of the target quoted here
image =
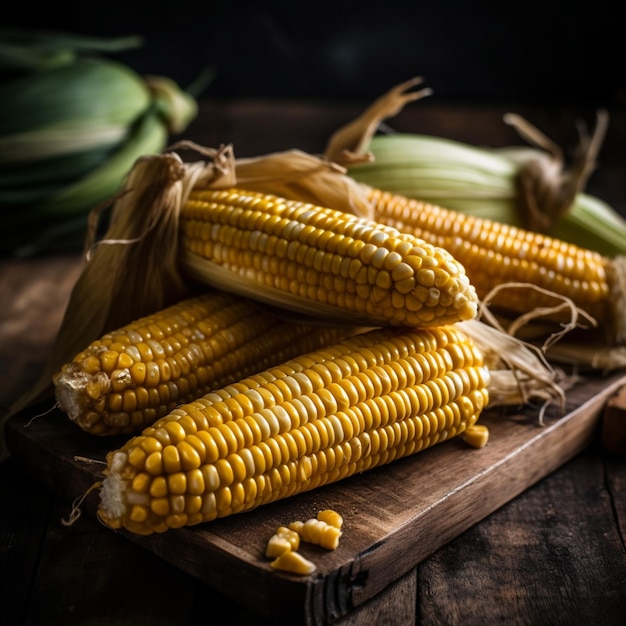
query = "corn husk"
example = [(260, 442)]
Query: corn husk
[(73, 123), (527, 186)]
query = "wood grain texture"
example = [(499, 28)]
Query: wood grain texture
[(34, 295), (613, 428), (515, 549)]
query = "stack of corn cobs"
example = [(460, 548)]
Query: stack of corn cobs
[(288, 327)]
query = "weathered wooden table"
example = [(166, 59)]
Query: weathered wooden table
[(531, 530)]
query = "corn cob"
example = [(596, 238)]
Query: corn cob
[(502, 185), (494, 253), (533, 187), (130, 377), (317, 259), (319, 418)]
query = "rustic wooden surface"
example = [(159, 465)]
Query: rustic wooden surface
[(554, 554), (436, 495)]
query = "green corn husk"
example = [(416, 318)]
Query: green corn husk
[(73, 123), (528, 187), (87, 98), (61, 218), (25, 50)]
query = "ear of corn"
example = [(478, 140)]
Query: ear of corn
[(146, 136), (130, 377), (71, 109), (527, 187), (65, 150), (495, 254), (314, 259), (314, 420), (484, 183)]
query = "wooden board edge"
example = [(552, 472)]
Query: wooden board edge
[(326, 599)]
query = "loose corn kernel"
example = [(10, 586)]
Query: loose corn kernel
[(330, 517), (283, 540), (476, 435), (318, 532), (294, 563), (276, 546)]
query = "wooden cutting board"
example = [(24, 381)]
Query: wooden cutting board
[(394, 516)]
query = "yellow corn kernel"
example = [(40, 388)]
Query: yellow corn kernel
[(318, 532), (276, 546), (294, 563), (331, 441), (132, 376), (495, 253), (283, 540), (330, 517), (476, 435), (321, 259)]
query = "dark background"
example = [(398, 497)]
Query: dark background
[(546, 53)]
